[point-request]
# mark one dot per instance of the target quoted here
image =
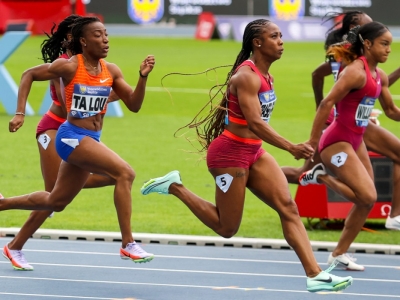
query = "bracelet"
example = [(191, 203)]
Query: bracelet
[(141, 75), (20, 113)]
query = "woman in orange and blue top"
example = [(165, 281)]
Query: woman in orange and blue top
[(233, 139), (341, 146), (55, 44), (88, 80)]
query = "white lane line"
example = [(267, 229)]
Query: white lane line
[(57, 296), (189, 286), (200, 258), (198, 271)]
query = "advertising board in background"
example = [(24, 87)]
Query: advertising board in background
[(187, 11)]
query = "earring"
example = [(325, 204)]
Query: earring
[(259, 45), (85, 45), (369, 48)]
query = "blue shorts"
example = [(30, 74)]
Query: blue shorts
[(69, 136)]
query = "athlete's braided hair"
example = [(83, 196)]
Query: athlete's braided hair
[(56, 43), (215, 120), (350, 18), (77, 32)]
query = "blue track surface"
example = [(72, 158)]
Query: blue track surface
[(67, 269)]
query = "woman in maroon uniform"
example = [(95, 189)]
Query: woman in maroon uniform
[(376, 138), (233, 139), (341, 146)]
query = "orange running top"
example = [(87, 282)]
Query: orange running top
[(86, 95)]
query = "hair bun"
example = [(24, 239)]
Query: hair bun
[(352, 35)]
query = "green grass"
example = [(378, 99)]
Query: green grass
[(145, 140)]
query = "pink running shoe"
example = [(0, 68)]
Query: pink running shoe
[(134, 252), (17, 259)]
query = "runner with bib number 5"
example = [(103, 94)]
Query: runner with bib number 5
[(233, 136)]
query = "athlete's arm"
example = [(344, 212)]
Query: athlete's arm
[(394, 76), (385, 98), (133, 99), (39, 73), (351, 78), (318, 77), (247, 83), (113, 97)]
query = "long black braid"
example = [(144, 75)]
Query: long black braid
[(56, 43), (213, 124), (77, 32), (350, 18)]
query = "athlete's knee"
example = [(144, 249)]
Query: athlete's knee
[(126, 173), (368, 200), (227, 232), (58, 207)]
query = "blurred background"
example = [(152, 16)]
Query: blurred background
[(181, 17)]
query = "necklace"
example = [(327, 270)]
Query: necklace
[(94, 68)]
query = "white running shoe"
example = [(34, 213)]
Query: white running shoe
[(310, 177), (346, 261), (393, 223), (161, 184), (134, 252), (1, 196), (17, 259), (325, 281)]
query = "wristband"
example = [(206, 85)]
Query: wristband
[(141, 75), (19, 113)]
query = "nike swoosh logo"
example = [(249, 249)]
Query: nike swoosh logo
[(325, 280), (103, 80)]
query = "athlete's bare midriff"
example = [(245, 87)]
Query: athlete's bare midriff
[(94, 123)]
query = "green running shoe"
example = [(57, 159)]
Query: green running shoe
[(161, 184), (325, 281)]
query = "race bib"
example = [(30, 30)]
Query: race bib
[(267, 101), (88, 100), (335, 69), (364, 110)]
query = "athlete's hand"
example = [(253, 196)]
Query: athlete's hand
[(16, 122), (147, 65), (303, 150)]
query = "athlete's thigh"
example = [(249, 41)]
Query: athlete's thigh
[(70, 181), (97, 158), (350, 167), (230, 189), (268, 183), (49, 159), (382, 141)]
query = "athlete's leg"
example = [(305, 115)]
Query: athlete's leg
[(268, 183), (382, 141), (90, 156), (225, 216), (354, 181), (49, 163)]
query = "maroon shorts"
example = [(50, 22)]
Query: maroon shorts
[(49, 121), (335, 133), (231, 151)]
